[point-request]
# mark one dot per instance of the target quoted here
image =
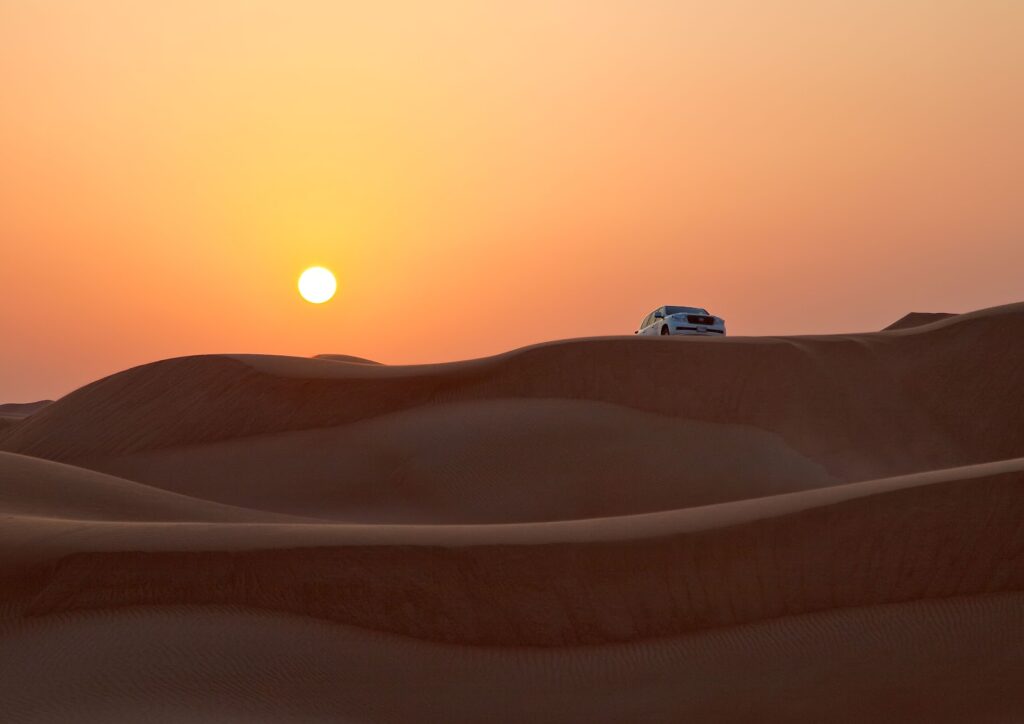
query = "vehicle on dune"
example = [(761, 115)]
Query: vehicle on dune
[(670, 320)]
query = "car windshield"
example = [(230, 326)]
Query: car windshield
[(685, 310)]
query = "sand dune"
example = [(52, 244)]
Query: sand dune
[(772, 529), (861, 405), (41, 488), (14, 412), (950, 660), (22, 409), (929, 535), (352, 359), (484, 461), (916, 319)]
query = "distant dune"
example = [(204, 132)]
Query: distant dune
[(14, 412), (819, 528), (346, 358), (916, 319), (19, 411), (22, 409)]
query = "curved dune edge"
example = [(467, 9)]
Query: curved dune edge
[(944, 537), (33, 487), (885, 663)]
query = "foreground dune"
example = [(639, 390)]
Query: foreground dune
[(948, 660), (770, 529)]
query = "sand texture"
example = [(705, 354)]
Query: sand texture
[(791, 529)]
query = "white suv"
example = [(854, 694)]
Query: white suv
[(681, 320)]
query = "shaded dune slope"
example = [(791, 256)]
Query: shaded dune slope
[(484, 461), (861, 405)]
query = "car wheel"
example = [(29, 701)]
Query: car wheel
[(664, 331)]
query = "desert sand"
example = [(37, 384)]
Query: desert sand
[(13, 412), (806, 529)]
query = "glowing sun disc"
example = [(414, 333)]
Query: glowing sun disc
[(317, 285)]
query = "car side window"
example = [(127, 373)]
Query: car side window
[(647, 321)]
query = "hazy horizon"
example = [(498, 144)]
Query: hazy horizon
[(484, 178)]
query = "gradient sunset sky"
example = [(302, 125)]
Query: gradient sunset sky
[(482, 176)]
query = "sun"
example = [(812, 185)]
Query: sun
[(317, 285)]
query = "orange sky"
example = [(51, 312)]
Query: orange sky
[(481, 178)]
